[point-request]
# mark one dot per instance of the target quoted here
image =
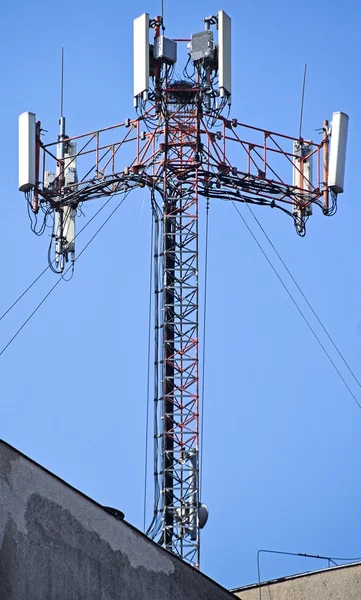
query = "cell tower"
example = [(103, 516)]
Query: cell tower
[(183, 139)]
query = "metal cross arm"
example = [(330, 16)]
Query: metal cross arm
[(260, 177), (97, 155)]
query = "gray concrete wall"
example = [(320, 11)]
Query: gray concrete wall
[(57, 544), (343, 583)]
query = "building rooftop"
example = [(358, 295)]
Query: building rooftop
[(57, 543), (333, 583)]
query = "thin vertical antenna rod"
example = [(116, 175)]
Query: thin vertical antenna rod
[(62, 135), (302, 99), (62, 84)]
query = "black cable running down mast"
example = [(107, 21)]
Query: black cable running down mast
[(168, 383)]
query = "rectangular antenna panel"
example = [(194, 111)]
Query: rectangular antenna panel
[(70, 172), (224, 54), (336, 169), (65, 229), (141, 55), (302, 173), (69, 228), (49, 180), (27, 151)]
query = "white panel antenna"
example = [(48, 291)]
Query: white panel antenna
[(65, 217), (27, 151), (302, 173), (69, 230), (70, 172), (141, 56), (336, 169), (71, 177), (64, 233), (224, 54)]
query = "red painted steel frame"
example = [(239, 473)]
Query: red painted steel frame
[(250, 165)]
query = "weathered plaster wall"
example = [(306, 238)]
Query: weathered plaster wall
[(343, 583), (56, 544)]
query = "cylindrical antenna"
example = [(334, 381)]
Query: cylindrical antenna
[(163, 15), (62, 84), (302, 99), (61, 136)]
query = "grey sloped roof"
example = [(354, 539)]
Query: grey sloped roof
[(334, 583), (58, 544)]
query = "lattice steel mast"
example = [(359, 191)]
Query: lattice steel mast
[(183, 152), (176, 399)]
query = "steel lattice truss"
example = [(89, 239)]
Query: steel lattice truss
[(176, 395), (258, 173), (182, 153)]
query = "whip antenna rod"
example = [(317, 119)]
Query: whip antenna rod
[(302, 98), (62, 84)]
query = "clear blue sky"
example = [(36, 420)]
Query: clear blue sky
[(282, 436)]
